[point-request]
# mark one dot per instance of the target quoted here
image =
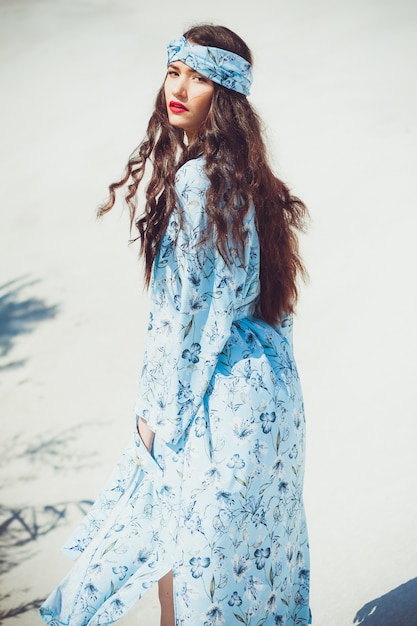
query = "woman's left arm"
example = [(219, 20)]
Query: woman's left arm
[(194, 299)]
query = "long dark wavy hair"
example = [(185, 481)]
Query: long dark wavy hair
[(237, 167)]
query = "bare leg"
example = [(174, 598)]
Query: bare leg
[(166, 598)]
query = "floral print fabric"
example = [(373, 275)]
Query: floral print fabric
[(219, 499)]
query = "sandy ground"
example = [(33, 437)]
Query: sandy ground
[(335, 84)]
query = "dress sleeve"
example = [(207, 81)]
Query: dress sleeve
[(193, 299)]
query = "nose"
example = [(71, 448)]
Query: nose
[(180, 88)]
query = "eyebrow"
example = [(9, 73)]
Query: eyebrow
[(186, 68)]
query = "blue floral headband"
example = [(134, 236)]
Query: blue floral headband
[(221, 66)]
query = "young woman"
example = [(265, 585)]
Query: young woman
[(207, 499)]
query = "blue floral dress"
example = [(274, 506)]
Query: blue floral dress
[(219, 499)]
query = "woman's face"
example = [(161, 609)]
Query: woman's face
[(188, 97)]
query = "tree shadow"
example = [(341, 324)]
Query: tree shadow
[(395, 608), (19, 610), (19, 315), (55, 450), (20, 529), (20, 526)]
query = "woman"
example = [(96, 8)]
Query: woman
[(207, 499)]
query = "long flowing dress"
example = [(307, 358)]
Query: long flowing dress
[(218, 500)]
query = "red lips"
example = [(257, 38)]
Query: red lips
[(177, 107)]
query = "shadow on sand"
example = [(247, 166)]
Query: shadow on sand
[(19, 315), (19, 610), (55, 450), (23, 525), (396, 608)]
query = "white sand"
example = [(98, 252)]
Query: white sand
[(335, 83)]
